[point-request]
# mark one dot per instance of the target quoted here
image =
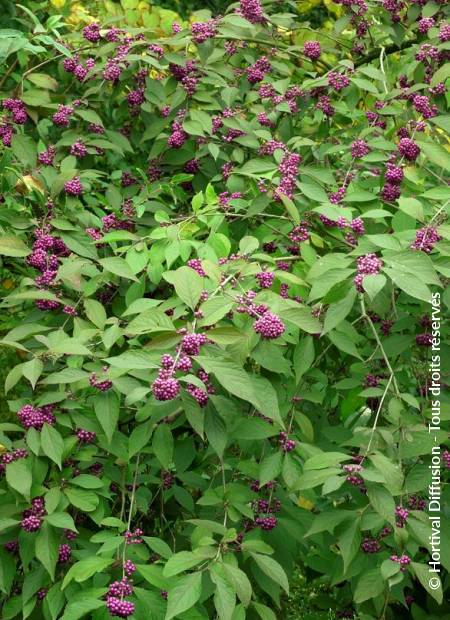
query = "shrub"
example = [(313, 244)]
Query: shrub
[(227, 248)]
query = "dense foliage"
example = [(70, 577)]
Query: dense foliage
[(225, 247)]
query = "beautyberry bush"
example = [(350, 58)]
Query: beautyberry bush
[(231, 255)]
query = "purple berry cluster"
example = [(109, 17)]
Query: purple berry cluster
[(36, 417), (370, 545), (112, 222), (118, 607), (258, 70), (78, 149), (202, 31), (120, 588), (403, 560), (91, 32), (265, 278), (286, 444), (165, 386), (288, 169), (269, 326), (359, 148), (84, 436), (32, 517), (129, 567), (167, 479), (62, 116), (73, 187), (16, 115), (353, 476), (401, 516), (408, 149), (196, 265), (424, 340), (415, 502), (102, 386), (46, 157), (366, 265), (10, 457), (252, 11), (338, 81), (64, 553), (312, 50), (135, 537), (426, 239), (371, 380)]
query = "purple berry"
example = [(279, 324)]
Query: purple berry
[(312, 50), (269, 326)]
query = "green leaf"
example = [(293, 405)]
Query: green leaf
[(194, 414), (240, 581), (270, 467), (303, 357), (140, 437), (252, 388), (18, 476), (68, 375), (265, 613), (158, 546), (134, 359), (411, 207), (339, 310), (52, 444), (269, 355), (162, 445), (349, 543), (77, 609), (373, 284), (32, 370), (95, 312), (181, 562), (382, 501), (248, 245), (315, 477), (325, 459), (184, 595), (62, 520), (214, 309), (187, 283), (391, 471), (410, 285), (86, 481), (272, 569), (118, 266), (369, 586), (216, 432), (7, 571), (429, 581), (436, 153), (47, 543), (82, 570), (42, 80), (301, 317), (107, 409), (224, 596), (290, 207), (84, 500), (343, 343), (314, 192), (13, 246), (24, 149)]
